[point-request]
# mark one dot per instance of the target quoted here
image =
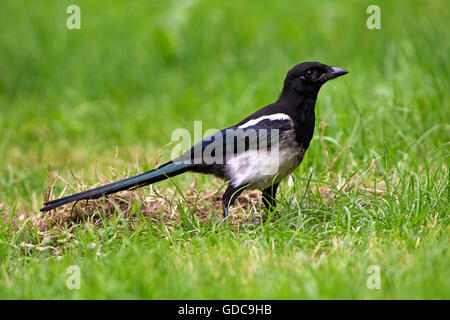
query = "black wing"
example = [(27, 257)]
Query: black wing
[(211, 154)]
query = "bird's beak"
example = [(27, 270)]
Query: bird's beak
[(333, 72)]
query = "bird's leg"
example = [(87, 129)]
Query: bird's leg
[(229, 197), (269, 196)]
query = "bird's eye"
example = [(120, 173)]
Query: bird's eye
[(308, 75)]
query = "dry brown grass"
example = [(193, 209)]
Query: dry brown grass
[(151, 205)]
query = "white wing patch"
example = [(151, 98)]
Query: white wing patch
[(271, 117)]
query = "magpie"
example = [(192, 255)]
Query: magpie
[(256, 153)]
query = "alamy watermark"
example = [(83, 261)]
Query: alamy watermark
[(74, 20), (73, 280), (374, 278), (374, 20)]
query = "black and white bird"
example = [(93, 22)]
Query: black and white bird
[(256, 153)]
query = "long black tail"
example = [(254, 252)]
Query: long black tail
[(165, 171)]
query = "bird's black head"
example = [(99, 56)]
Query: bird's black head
[(308, 77)]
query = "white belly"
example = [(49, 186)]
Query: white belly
[(260, 169)]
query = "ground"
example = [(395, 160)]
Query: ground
[(364, 216)]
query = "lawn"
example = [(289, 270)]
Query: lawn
[(365, 216)]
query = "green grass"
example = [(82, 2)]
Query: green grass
[(102, 102)]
